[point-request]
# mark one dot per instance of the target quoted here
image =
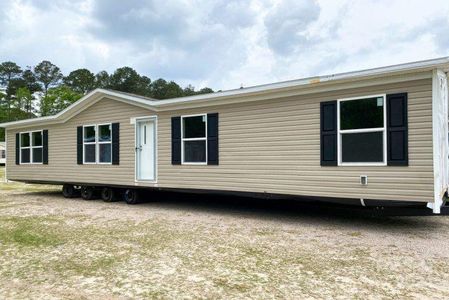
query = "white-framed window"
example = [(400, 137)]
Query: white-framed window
[(31, 147), (2, 153), (362, 138), (97, 144), (194, 139), (90, 144), (105, 144)]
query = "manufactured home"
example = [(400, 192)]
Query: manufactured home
[(372, 137), (2, 154)]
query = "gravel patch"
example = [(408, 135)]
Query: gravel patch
[(182, 247)]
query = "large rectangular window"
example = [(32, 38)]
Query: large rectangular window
[(97, 143), (194, 139), (361, 131), (31, 147)]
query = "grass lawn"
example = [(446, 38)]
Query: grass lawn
[(185, 247)]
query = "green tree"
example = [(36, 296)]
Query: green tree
[(102, 80), (128, 80), (24, 100), (30, 81), (161, 89), (48, 74), (8, 71), (189, 90), (173, 91), (205, 90), (158, 88), (57, 99), (81, 81)]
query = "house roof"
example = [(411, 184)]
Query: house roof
[(279, 89)]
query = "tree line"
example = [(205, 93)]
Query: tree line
[(43, 90)]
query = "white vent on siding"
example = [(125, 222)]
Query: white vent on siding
[(363, 179)]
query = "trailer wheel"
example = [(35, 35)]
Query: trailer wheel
[(109, 194), (131, 196), (87, 193), (69, 191)]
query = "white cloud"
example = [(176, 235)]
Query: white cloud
[(223, 44), (287, 25)]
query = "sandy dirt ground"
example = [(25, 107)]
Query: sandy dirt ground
[(191, 247)]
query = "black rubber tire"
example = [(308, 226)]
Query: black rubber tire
[(131, 196), (69, 191), (109, 194), (88, 193)]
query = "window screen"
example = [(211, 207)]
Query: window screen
[(37, 155), (105, 153), (89, 153), (25, 156), (195, 151), (362, 147)]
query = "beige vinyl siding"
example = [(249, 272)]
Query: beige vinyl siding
[(268, 146)]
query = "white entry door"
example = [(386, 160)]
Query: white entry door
[(145, 150)]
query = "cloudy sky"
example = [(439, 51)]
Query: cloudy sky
[(223, 43)]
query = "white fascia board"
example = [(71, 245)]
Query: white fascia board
[(206, 99)]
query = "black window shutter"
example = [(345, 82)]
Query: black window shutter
[(45, 147), (176, 140), (397, 130), (116, 143), (328, 133), (212, 139), (17, 148), (79, 145)]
